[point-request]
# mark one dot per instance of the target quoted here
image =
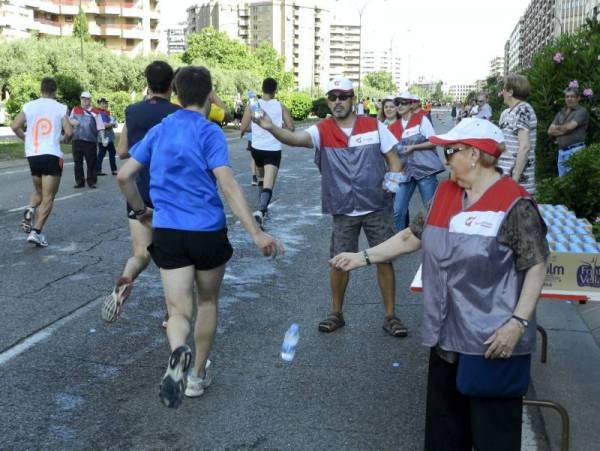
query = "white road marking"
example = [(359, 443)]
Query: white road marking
[(55, 200), (46, 332)]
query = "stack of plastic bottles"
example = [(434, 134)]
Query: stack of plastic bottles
[(567, 233)]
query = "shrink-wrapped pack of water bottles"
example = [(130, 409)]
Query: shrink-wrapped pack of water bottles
[(566, 232)]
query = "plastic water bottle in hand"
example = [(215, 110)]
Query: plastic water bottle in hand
[(255, 108), (290, 341)]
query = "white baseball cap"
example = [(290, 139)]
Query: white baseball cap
[(85, 95), (339, 84), (479, 133), (405, 95)]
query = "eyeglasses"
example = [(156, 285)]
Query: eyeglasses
[(399, 102), (340, 97), (480, 101), (449, 151)]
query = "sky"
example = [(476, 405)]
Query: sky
[(448, 40)]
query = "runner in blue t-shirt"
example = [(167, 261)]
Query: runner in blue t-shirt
[(187, 156), (139, 119)]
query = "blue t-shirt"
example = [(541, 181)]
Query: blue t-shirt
[(181, 153), (140, 118)]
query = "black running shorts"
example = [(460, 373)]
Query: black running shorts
[(172, 249), (41, 165), (264, 157)]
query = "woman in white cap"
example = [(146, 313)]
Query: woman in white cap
[(484, 262)]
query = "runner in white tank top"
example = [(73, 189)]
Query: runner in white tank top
[(47, 123), (266, 149)]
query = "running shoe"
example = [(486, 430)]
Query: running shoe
[(172, 385), (28, 219), (196, 385), (113, 303), (37, 238)]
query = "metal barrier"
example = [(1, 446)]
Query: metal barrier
[(564, 419)]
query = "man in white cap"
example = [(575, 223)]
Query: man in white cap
[(88, 126), (351, 152)]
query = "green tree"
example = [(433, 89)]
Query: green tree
[(549, 77), (382, 81), (273, 66), (23, 88), (80, 26), (215, 49)]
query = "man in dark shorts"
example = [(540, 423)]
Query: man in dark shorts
[(190, 248), (139, 119), (47, 123), (353, 154), (266, 149)]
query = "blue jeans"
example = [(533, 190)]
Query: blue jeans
[(427, 187), (563, 157), (111, 156)]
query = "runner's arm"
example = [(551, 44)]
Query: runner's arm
[(18, 124), (237, 202), (126, 179), (294, 139), (123, 146), (245, 122), (67, 128), (287, 119)]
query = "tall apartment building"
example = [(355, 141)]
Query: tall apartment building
[(571, 14), (175, 39), (126, 26), (16, 20), (379, 59), (297, 29), (344, 56), (497, 66), (459, 92), (228, 16), (515, 49), (539, 26)]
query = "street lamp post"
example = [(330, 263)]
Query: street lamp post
[(360, 13), (81, 35)]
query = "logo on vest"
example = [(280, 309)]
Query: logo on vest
[(484, 223)]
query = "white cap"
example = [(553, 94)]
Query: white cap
[(404, 95), (85, 95), (479, 133), (339, 84)]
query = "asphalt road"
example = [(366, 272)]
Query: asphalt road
[(70, 381)]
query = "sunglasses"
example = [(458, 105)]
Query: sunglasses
[(402, 102), (449, 151), (340, 97)]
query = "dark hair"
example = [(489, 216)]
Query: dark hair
[(573, 91), (159, 76), (48, 85), (518, 84), (269, 86), (193, 83)]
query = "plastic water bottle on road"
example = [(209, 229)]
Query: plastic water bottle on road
[(255, 108), (290, 341)]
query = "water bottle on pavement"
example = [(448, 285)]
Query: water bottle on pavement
[(290, 341), (255, 108)]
